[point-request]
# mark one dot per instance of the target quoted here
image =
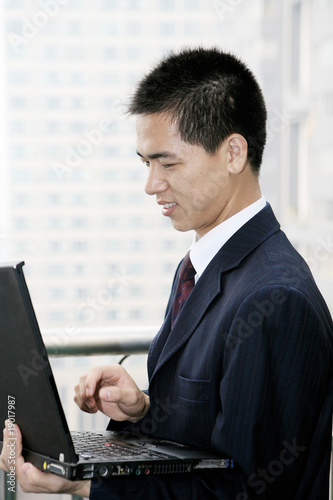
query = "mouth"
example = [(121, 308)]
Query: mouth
[(168, 208), (169, 205)]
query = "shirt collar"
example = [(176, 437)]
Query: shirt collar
[(205, 248)]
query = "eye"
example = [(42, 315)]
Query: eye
[(168, 165)]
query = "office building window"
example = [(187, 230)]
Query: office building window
[(325, 51), (79, 269), (134, 53), (79, 223), (167, 29), (56, 317), (112, 246), (81, 293), (52, 127), (21, 223), (136, 291), (191, 28), (134, 29), (20, 175), (136, 314), (112, 315), (54, 199), (57, 293), (80, 246), (52, 103), (56, 269), (295, 44), (55, 246), (136, 268), (112, 199), (17, 77), (167, 4), (55, 223), (79, 199), (20, 199), (294, 167), (110, 53), (77, 103), (18, 127), (110, 4), (18, 102)]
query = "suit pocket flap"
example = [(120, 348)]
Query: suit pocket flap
[(194, 390)]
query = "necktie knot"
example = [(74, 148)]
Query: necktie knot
[(187, 271)]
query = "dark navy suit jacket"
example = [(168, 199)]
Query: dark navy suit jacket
[(246, 371)]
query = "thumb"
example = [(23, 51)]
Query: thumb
[(110, 394)]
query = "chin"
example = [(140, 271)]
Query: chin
[(181, 227)]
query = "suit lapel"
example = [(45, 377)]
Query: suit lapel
[(243, 242), (167, 343)]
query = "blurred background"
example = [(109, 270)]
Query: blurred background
[(72, 204)]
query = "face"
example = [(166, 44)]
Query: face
[(194, 189)]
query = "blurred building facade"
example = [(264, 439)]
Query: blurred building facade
[(72, 203), (72, 198), (290, 46)]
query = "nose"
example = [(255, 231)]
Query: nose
[(156, 183)]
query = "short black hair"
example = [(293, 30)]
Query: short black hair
[(210, 94)]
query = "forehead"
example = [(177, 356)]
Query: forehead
[(163, 121), (157, 131)]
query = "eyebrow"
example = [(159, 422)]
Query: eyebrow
[(161, 154)]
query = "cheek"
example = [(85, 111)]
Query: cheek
[(205, 193)]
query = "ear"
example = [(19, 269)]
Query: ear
[(237, 147)]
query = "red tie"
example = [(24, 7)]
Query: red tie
[(184, 286)]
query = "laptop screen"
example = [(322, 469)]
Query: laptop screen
[(25, 373)]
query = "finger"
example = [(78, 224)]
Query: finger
[(12, 447), (87, 406), (127, 397), (33, 480), (101, 375), (128, 403), (84, 403)]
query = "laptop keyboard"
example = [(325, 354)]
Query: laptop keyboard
[(92, 445)]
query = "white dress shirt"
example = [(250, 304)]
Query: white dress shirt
[(205, 248)]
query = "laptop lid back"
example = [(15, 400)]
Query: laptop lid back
[(28, 394)]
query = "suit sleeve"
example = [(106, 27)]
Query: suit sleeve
[(275, 374)]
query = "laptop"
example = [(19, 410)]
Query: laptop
[(29, 397)]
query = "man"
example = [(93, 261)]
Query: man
[(245, 366)]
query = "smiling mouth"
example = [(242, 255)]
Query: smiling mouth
[(169, 205)]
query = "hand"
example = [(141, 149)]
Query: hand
[(31, 479), (111, 390)]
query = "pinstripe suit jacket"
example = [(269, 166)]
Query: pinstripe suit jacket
[(246, 371)]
